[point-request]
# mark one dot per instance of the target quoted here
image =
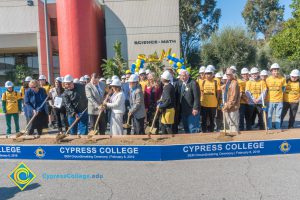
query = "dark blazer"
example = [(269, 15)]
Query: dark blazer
[(189, 98)]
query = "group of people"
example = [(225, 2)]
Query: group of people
[(211, 103)]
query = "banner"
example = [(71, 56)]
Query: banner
[(151, 153)]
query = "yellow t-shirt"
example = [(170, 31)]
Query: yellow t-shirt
[(275, 92), (22, 92), (209, 93), (242, 85), (11, 99), (200, 81), (256, 88), (292, 92), (143, 85), (47, 88)]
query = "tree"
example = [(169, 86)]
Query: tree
[(285, 45), (263, 16), (232, 46), (116, 65), (21, 72), (198, 20)]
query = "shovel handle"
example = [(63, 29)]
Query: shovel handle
[(155, 116), (75, 122)]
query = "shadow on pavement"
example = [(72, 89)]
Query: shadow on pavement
[(10, 192)]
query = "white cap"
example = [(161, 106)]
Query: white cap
[(68, 79), (295, 72), (116, 82), (42, 77), (254, 70), (245, 71), (218, 75), (108, 81), (275, 66), (86, 76), (202, 69), (142, 71), (115, 77), (166, 75), (28, 79), (133, 78), (233, 67), (123, 77), (9, 84), (76, 80), (224, 77), (211, 67), (148, 71), (264, 73), (59, 79), (209, 70), (102, 79), (82, 79)]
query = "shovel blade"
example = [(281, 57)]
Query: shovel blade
[(153, 131), (126, 125)]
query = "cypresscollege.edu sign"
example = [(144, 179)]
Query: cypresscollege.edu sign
[(139, 42)]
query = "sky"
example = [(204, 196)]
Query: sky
[(231, 12)]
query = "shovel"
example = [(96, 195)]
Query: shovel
[(96, 131), (127, 125), (31, 120), (152, 130), (62, 136)]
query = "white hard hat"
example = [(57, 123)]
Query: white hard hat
[(254, 70), (211, 67), (166, 75), (102, 79), (202, 69), (224, 77), (264, 73), (28, 79), (115, 77), (233, 67), (244, 71), (218, 75), (295, 72), (116, 82), (148, 71), (133, 78), (123, 77), (86, 76), (76, 80), (82, 79), (142, 71), (209, 70), (275, 66), (42, 77), (59, 79), (108, 81), (68, 79), (9, 84)]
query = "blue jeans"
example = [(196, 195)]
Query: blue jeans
[(191, 123), (82, 125), (278, 110)]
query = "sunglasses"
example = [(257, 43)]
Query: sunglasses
[(33, 87)]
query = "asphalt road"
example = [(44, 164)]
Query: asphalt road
[(269, 177)]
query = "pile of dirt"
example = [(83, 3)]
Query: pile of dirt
[(160, 139)]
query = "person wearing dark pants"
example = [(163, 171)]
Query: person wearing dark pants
[(208, 114), (244, 107), (137, 106), (291, 98)]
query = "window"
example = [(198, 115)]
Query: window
[(55, 60), (33, 61), (53, 26)]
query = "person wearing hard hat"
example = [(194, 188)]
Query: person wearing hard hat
[(263, 75), (76, 103), (189, 101), (143, 78), (25, 86), (167, 104), (95, 95), (231, 92), (210, 93), (137, 106), (43, 83), (35, 105), (123, 78), (244, 107), (291, 97), (117, 106), (87, 78), (148, 71), (201, 78), (11, 106), (256, 90), (276, 85), (126, 92), (82, 80), (55, 102), (219, 116)]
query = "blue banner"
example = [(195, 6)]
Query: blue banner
[(151, 153)]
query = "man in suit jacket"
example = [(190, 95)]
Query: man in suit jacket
[(95, 95), (189, 100)]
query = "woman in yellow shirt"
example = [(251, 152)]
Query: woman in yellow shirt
[(291, 98)]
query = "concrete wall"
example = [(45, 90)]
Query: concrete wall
[(143, 26)]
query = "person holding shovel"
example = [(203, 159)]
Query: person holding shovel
[(167, 104), (35, 106), (117, 106)]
